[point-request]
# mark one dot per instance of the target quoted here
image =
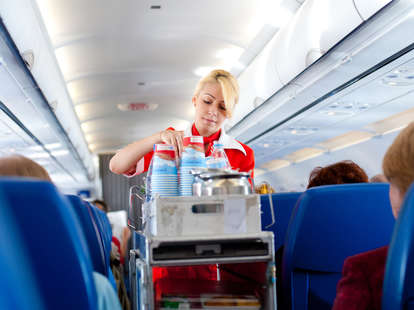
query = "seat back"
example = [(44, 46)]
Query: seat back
[(55, 243), (283, 204), (105, 231), (17, 281), (91, 233), (329, 224), (398, 287)]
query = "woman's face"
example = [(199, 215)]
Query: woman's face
[(210, 110), (396, 199)]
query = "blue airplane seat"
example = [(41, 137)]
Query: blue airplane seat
[(398, 287), (329, 224), (55, 244), (283, 204), (91, 234), (106, 225), (18, 285), (105, 231), (106, 235)]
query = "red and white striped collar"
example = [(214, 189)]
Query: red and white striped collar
[(228, 141)]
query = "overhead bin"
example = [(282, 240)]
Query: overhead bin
[(368, 8), (32, 36), (257, 83), (318, 25)]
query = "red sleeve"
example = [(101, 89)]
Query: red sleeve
[(353, 292), (142, 165)]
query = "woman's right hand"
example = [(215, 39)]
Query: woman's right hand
[(174, 138)]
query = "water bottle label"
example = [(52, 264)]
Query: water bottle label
[(161, 166), (163, 147)]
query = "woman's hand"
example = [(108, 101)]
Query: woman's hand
[(174, 138)]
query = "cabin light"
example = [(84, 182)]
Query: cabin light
[(89, 138), (49, 146), (87, 126), (275, 164), (304, 154), (392, 123), (53, 146), (345, 140), (92, 147), (258, 172), (38, 155), (51, 20), (266, 145), (202, 71), (60, 153), (80, 111)]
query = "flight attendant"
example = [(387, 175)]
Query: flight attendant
[(214, 100)]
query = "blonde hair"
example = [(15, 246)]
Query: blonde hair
[(229, 87), (17, 165), (398, 162)]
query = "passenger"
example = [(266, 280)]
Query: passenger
[(117, 257), (342, 172), (101, 205), (17, 165), (20, 166), (214, 100), (361, 285), (378, 178), (121, 240)]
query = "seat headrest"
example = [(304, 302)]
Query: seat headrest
[(55, 243), (350, 218)]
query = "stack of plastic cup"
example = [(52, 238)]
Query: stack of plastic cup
[(192, 158), (164, 177)]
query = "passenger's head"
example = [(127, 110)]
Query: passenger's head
[(214, 100), (378, 178), (398, 166), (339, 173), (17, 165), (100, 204)]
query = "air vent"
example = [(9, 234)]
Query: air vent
[(137, 106), (155, 7)]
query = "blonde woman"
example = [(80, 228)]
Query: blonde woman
[(214, 100)]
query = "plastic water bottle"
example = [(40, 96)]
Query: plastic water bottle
[(148, 193), (218, 158)]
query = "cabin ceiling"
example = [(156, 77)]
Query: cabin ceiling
[(111, 54)]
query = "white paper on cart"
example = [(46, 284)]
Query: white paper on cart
[(235, 216)]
